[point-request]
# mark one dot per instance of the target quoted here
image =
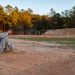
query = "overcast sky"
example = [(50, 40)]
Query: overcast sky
[(40, 6)]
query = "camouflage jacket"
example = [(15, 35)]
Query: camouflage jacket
[(5, 42)]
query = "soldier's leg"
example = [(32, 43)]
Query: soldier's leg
[(2, 45), (8, 44), (5, 49)]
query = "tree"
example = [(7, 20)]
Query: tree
[(56, 21), (52, 12), (14, 17), (9, 9), (25, 19), (2, 18), (30, 10), (36, 21), (45, 25), (66, 19), (72, 16)]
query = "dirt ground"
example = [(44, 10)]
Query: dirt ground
[(37, 58)]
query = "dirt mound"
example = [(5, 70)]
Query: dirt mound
[(68, 32)]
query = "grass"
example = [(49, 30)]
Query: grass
[(57, 40), (69, 42)]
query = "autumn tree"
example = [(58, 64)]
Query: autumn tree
[(2, 18), (25, 19), (14, 17), (36, 21), (45, 24), (9, 9)]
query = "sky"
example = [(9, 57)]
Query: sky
[(41, 7)]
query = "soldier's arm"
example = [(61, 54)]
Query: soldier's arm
[(4, 34)]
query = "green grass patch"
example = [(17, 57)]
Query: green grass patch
[(69, 42), (57, 40)]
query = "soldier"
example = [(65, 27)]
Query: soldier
[(5, 42)]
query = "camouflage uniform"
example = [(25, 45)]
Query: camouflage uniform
[(5, 42)]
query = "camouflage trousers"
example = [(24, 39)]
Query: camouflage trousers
[(5, 44)]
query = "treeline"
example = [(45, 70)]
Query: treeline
[(13, 17)]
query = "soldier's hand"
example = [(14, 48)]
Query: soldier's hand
[(10, 32)]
